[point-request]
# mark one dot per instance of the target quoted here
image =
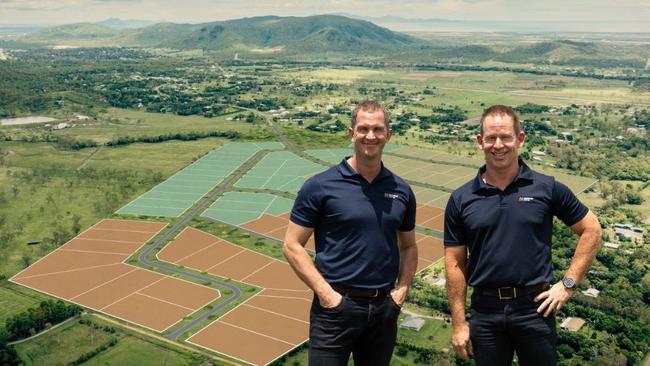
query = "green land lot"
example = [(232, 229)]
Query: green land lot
[(236, 208), (183, 189), (281, 170)]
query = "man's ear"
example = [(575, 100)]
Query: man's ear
[(479, 141), (521, 137)]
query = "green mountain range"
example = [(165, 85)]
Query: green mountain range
[(321, 33)]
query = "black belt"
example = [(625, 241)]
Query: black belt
[(362, 292), (505, 293)]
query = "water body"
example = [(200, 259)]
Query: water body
[(25, 120)]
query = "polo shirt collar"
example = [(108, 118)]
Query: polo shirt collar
[(525, 173), (346, 170)]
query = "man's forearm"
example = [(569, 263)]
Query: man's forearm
[(304, 267), (585, 250), (408, 266), (456, 288)]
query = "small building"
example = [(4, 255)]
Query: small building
[(611, 245), (440, 282), (81, 117), (572, 324), (60, 126), (591, 292), (413, 322)]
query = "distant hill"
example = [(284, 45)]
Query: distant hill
[(72, 32), (320, 33), (124, 23)]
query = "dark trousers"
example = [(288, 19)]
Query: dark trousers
[(365, 327), (500, 328)]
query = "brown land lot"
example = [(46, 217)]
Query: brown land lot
[(430, 217), (430, 250), (89, 271), (274, 227), (275, 320), (264, 327)]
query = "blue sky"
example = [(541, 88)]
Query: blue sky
[(633, 12)]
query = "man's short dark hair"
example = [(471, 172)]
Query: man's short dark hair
[(500, 110), (370, 106)]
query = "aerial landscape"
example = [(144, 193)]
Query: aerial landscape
[(150, 155)]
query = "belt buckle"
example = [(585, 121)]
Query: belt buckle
[(502, 297), (376, 293)]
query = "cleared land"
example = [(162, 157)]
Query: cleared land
[(89, 271), (178, 193), (25, 120), (264, 327)]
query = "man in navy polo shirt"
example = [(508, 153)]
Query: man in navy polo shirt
[(363, 219), (497, 239)]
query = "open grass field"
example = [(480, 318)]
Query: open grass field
[(131, 351), (472, 91), (122, 122), (62, 345), (164, 158), (68, 342), (16, 299)]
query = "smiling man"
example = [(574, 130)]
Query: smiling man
[(363, 220), (497, 239)]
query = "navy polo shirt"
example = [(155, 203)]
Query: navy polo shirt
[(508, 233), (355, 224)]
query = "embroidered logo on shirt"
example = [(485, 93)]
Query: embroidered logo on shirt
[(525, 199), (391, 196)]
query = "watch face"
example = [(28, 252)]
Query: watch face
[(569, 282)]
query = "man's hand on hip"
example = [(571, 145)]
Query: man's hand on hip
[(330, 300), (554, 298), (399, 295), (460, 341)]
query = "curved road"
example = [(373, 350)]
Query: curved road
[(185, 218)]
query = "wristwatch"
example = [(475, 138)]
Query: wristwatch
[(569, 283)]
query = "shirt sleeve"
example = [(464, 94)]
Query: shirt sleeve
[(408, 223), (306, 209), (566, 205), (454, 229)]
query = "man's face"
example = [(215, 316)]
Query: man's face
[(370, 134), (499, 142)]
